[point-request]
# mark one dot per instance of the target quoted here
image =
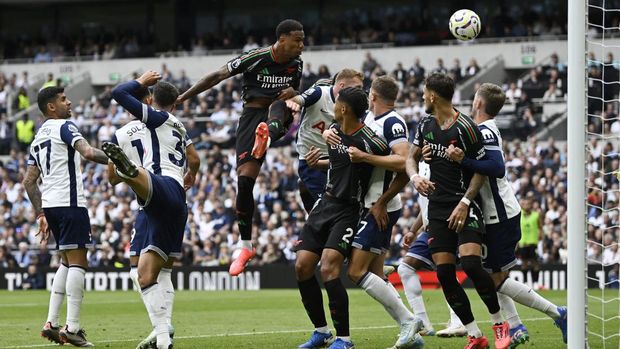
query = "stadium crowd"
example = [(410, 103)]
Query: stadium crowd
[(535, 168), (402, 25)]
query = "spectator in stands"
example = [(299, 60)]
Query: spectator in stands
[(34, 279), (472, 69), (400, 74), (5, 135), (513, 94), (457, 71), (23, 256), (183, 83), (50, 82), (43, 56), (106, 131), (553, 93), (323, 72), (440, 67), (250, 44), (24, 81), (23, 102), (611, 76), (417, 71), (308, 78), (24, 132), (3, 99), (368, 66)]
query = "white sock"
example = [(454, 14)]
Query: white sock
[(75, 295), (153, 297), (345, 338), (165, 282), (378, 289), (323, 329), (455, 321), (473, 330), (509, 309), (245, 244), (413, 292), (497, 318), (133, 275), (524, 294), (57, 296)]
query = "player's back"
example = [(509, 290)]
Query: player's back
[(316, 116), (499, 202), (166, 140), (131, 138), (392, 129), (61, 174)]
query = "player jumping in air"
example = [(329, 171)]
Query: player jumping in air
[(60, 206), (270, 74)]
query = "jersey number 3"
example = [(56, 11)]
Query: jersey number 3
[(180, 148)]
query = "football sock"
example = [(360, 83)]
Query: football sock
[(454, 319), (378, 289), (164, 279), (75, 295), (524, 294), (322, 329), (472, 265), (338, 306), (473, 330), (510, 311), (245, 206), (57, 295), (413, 292), (454, 293), (133, 275), (280, 118), (312, 298), (155, 303)]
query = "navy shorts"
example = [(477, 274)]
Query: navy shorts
[(370, 238), (138, 233), (313, 179), (70, 226), (499, 244), (420, 250), (166, 216)]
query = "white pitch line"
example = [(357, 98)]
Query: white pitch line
[(240, 334), (16, 305)]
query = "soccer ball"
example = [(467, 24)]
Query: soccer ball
[(465, 24)]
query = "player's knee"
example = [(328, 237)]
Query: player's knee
[(329, 270), (278, 110), (499, 277), (145, 279), (303, 270), (472, 265), (355, 274)]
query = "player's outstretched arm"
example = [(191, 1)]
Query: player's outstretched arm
[(205, 83), (491, 165), (90, 153), (394, 162)]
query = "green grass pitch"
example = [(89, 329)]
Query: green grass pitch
[(262, 319)]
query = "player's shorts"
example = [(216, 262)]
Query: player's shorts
[(370, 238), (314, 179), (443, 239), (70, 226), (528, 252), (138, 234), (246, 133), (420, 250), (166, 216), (332, 223), (499, 244)]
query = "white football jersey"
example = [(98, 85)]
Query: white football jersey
[(166, 140), (392, 128), (424, 170), (499, 202), (316, 116), (52, 151), (130, 138)]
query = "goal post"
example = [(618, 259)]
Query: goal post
[(576, 161)]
